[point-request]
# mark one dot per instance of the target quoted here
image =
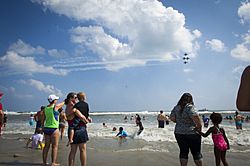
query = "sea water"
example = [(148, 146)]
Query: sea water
[(18, 123)]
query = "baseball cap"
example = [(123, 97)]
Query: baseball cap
[(52, 98)]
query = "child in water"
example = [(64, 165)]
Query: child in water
[(36, 140), (220, 140), (122, 133)]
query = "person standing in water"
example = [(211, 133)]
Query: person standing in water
[(161, 119), (31, 121), (238, 120), (187, 119)]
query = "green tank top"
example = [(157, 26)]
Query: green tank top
[(51, 117)]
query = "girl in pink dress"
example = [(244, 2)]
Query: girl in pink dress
[(220, 140)]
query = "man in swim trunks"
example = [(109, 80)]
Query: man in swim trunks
[(38, 118)]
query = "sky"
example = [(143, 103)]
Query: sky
[(126, 55)]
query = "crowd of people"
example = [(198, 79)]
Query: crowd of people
[(51, 122)]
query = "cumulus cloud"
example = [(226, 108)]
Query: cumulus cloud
[(216, 45), (49, 89), (242, 50), (25, 49), (132, 30), (244, 12), (27, 65)]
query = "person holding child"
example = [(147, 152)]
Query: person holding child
[(77, 116), (221, 144)]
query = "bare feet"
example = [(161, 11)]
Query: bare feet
[(55, 164)]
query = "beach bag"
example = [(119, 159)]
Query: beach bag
[(219, 141)]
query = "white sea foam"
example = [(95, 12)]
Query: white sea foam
[(18, 123)]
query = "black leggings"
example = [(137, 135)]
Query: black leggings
[(189, 141)]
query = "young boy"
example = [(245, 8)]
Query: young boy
[(122, 133), (36, 139)]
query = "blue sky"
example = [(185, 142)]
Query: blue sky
[(126, 55)]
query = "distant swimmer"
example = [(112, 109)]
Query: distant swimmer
[(31, 121), (104, 125), (5, 119), (205, 120), (161, 119), (238, 120), (114, 129)]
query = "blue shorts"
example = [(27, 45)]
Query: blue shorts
[(189, 141), (80, 135), (49, 131)]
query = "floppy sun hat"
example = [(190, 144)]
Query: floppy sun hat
[(52, 98)]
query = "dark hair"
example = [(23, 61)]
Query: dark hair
[(161, 111), (185, 99), (42, 107), (121, 128), (216, 118), (69, 97)]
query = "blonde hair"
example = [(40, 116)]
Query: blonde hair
[(81, 96)]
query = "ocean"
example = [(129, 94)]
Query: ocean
[(153, 137)]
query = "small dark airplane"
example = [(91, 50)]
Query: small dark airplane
[(185, 58)]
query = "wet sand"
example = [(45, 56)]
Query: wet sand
[(107, 152)]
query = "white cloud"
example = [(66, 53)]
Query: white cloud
[(188, 70), (49, 89), (57, 53), (216, 45), (244, 12), (25, 49), (132, 30), (242, 50), (26, 65)]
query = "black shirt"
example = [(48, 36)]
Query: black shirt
[(83, 107)]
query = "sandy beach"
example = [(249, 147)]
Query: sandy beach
[(107, 152)]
